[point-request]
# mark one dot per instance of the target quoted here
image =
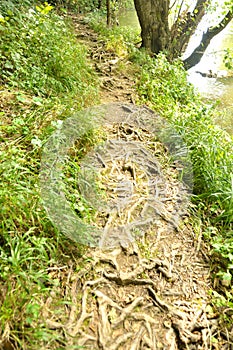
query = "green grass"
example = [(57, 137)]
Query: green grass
[(164, 87), (39, 54), (45, 78)]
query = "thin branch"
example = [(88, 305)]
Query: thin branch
[(185, 26), (197, 54), (180, 8), (172, 5)]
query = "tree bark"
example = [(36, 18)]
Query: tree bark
[(108, 13), (153, 19), (199, 51)]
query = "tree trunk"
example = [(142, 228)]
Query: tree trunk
[(157, 36), (153, 19), (199, 51), (108, 13)]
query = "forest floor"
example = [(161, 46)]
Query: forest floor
[(152, 292)]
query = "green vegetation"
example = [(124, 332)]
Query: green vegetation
[(164, 87), (39, 54), (45, 76)]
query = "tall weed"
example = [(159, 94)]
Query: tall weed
[(44, 77), (39, 53)]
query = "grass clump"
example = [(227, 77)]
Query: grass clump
[(39, 54)]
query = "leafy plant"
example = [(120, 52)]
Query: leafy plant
[(40, 54), (45, 77), (228, 59)]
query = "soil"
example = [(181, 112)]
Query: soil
[(115, 84), (152, 291)]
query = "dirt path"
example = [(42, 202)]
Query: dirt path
[(147, 293), (116, 85)]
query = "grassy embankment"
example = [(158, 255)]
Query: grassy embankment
[(45, 77)]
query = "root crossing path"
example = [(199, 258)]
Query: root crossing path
[(150, 292)]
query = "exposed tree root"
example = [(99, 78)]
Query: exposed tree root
[(121, 311)]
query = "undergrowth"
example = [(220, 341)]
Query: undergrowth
[(39, 54), (163, 86), (45, 77)]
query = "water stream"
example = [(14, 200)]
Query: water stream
[(216, 89)]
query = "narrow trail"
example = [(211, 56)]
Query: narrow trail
[(115, 85), (150, 293)]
